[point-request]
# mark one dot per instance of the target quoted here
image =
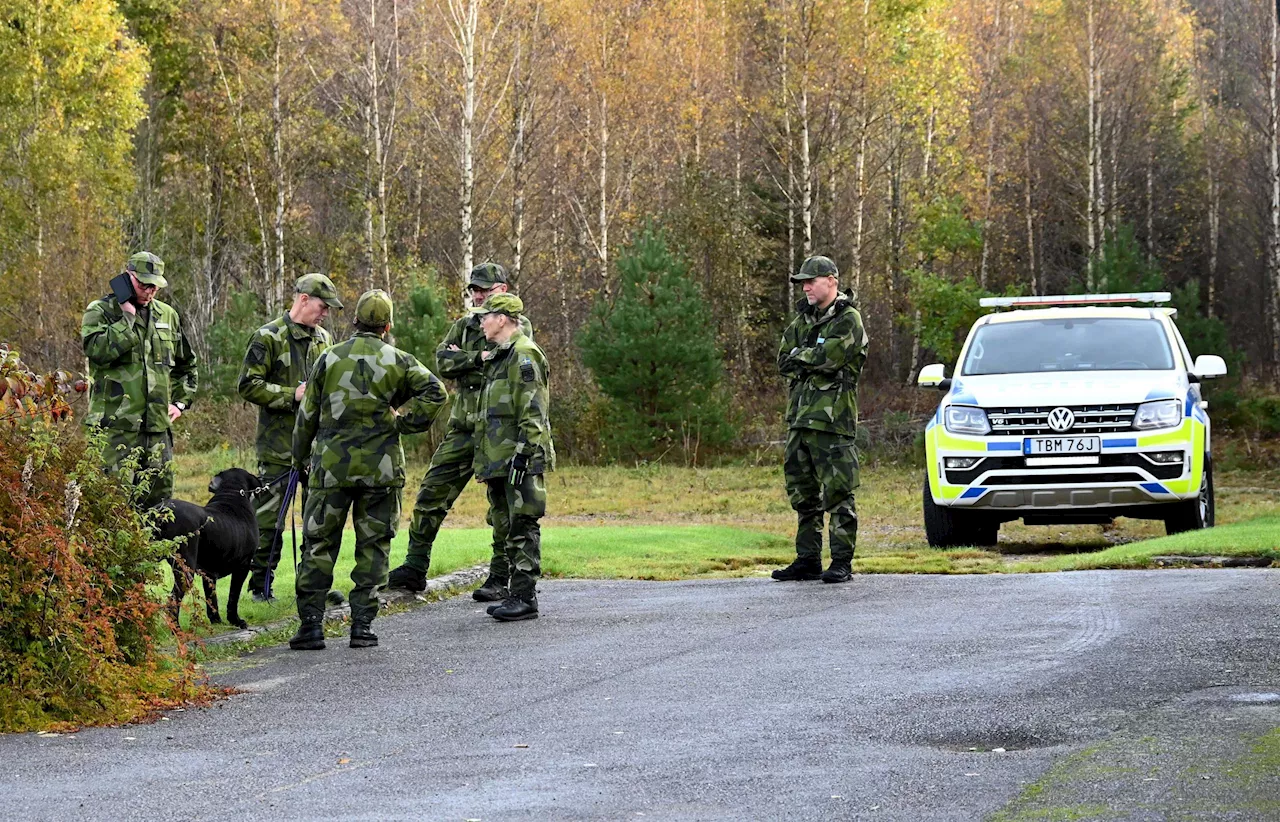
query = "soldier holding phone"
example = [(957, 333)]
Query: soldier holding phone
[(142, 375)]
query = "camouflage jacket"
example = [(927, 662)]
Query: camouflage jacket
[(348, 431), (821, 358), (466, 365), (136, 371), (514, 407), (280, 356)]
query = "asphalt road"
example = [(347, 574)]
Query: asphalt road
[(1132, 695)]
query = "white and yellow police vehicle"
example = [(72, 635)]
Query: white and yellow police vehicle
[(1069, 409)]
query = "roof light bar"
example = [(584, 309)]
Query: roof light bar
[(1155, 297)]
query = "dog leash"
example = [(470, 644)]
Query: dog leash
[(285, 510)]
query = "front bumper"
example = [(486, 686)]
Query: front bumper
[(1122, 476)]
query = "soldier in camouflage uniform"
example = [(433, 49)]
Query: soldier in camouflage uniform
[(821, 357), (142, 374), (361, 396), (273, 376), (514, 449), (460, 357)]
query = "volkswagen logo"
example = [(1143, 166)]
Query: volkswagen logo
[(1061, 419)]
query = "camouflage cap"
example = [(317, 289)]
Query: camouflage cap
[(504, 303), (148, 268), (816, 267), (487, 275), (320, 287), (374, 308)]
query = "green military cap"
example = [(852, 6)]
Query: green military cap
[(503, 303), (816, 267), (487, 275), (319, 286), (148, 268), (374, 308)]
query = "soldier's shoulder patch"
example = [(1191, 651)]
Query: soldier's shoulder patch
[(257, 353), (527, 371)]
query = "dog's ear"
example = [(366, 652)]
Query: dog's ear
[(215, 484)]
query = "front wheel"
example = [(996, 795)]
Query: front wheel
[(1194, 514), (945, 527)]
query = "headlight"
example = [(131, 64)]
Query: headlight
[(963, 419), (1158, 414)]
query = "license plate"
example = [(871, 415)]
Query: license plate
[(1061, 445)]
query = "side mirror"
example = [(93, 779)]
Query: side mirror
[(1208, 366), (934, 376)]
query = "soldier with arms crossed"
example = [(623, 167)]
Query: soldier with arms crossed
[(360, 397), (460, 357), (514, 449), (821, 357), (142, 374), (273, 376)]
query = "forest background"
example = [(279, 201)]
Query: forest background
[(649, 173)]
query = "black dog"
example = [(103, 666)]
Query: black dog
[(221, 537)]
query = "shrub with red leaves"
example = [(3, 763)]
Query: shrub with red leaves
[(78, 625)]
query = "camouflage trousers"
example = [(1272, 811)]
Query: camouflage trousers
[(376, 516), (152, 476), (821, 471), (267, 557), (450, 471), (515, 511)]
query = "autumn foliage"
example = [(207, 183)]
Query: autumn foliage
[(78, 625)]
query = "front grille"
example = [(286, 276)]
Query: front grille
[(1034, 420)]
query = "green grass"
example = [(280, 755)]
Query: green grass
[(670, 522), (1252, 538)]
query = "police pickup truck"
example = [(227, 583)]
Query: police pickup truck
[(1069, 409)]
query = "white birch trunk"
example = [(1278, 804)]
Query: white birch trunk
[(860, 162), (466, 17), (984, 265), (1211, 175), (602, 248), (1029, 212), (806, 168), (1092, 206), (275, 298), (790, 193), (1273, 169), (264, 238), (1151, 220), (926, 171)]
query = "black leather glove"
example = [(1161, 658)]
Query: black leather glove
[(519, 467)]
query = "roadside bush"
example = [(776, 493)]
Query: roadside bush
[(228, 340), (422, 318), (654, 354), (78, 628), (1246, 412)]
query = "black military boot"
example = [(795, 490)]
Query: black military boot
[(841, 570), (407, 579), (362, 636), (800, 569), (310, 635), (493, 590), (515, 608)]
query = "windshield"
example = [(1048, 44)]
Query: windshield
[(1073, 344)]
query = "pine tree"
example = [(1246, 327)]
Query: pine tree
[(653, 353)]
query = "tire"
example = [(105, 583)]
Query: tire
[(947, 528), (1194, 514)]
